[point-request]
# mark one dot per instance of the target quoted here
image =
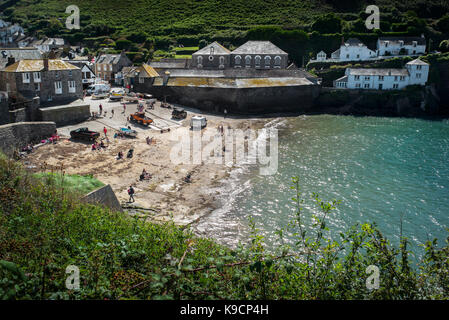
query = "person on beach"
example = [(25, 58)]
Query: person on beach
[(124, 107), (112, 111), (105, 131), (131, 194), (120, 155), (101, 109)]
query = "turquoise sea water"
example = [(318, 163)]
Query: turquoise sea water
[(380, 169)]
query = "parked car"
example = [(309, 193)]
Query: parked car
[(84, 134), (198, 122), (131, 97), (178, 113), (141, 118), (117, 94)]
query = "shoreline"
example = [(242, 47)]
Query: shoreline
[(166, 196)]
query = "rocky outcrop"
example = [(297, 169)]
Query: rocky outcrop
[(412, 102)]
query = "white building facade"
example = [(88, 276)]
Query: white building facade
[(353, 50), (390, 46), (416, 72)]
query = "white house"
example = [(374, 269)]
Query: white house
[(392, 46), (353, 50), (416, 72), (321, 56)]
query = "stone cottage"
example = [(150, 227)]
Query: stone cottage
[(213, 56), (107, 66), (51, 80)]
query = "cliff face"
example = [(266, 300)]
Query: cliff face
[(413, 102)]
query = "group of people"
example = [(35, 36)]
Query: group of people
[(98, 146), (129, 155), (145, 175)]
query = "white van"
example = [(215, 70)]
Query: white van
[(98, 88)]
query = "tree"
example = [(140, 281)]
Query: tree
[(443, 24), (202, 43), (444, 46), (328, 23)]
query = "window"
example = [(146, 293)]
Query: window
[(58, 87), (37, 86), (367, 78), (248, 61), (141, 80), (395, 78), (257, 60), (347, 56), (110, 67), (402, 78), (70, 73), (366, 85), (395, 86), (418, 76), (72, 86), (380, 86), (37, 76), (357, 85), (358, 56), (211, 58), (237, 61), (222, 61), (418, 67), (26, 77), (200, 62), (104, 67), (267, 62), (277, 62), (57, 74), (357, 78), (381, 78)]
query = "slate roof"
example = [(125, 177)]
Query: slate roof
[(418, 62), (258, 47), (354, 42), (377, 72), (150, 71), (342, 79), (18, 54), (218, 49), (109, 58), (407, 40), (38, 65)]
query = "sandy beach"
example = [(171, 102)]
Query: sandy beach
[(164, 197)]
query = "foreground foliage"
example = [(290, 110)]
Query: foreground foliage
[(43, 230)]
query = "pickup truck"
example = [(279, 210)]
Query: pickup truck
[(140, 118), (84, 134)]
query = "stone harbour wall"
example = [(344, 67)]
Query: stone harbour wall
[(104, 196), (14, 136)]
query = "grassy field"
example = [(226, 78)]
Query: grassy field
[(72, 183)]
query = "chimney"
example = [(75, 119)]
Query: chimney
[(11, 60), (45, 64)]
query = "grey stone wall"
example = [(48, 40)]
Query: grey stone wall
[(242, 100), (104, 196), (17, 135), (67, 114), (18, 115), (4, 110)]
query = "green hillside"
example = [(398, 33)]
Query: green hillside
[(142, 27)]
